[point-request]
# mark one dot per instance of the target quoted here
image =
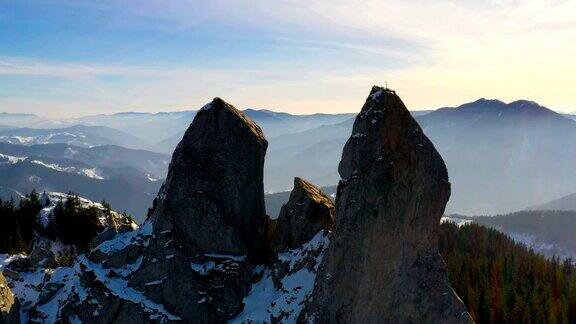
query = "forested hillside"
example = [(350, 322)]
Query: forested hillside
[(501, 281)]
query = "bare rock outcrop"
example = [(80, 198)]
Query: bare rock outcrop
[(383, 264), (215, 184), (9, 309), (193, 259), (209, 219), (307, 212)]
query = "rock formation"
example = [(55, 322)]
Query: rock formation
[(203, 255), (307, 212), (192, 261), (9, 311), (215, 184), (383, 264)]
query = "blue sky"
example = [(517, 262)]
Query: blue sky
[(70, 58)]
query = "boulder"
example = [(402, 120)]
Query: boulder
[(383, 264), (9, 308)]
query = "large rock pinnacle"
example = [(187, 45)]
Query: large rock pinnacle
[(208, 220), (383, 264), (214, 187), (307, 212)]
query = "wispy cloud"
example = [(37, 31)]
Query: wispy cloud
[(302, 55)]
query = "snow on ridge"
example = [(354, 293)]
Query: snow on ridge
[(121, 241), (151, 178), (11, 159), (90, 173), (121, 289), (29, 285), (457, 221)]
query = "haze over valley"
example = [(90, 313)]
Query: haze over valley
[(522, 153)]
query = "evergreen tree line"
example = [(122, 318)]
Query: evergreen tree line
[(501, 281), (72, 224), (18, 223)]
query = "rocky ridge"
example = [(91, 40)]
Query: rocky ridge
[(208, 254)]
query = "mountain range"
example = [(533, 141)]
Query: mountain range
[(127, 178), (368, 251), (501, 157)]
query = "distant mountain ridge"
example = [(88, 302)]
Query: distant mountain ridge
[(273, 123), (503, 157), (79, 135), (521, 153), (127, 178), (549, 232), (564, 203)]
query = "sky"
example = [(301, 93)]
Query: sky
[(62, 58)]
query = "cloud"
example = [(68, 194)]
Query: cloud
[(319, 55)]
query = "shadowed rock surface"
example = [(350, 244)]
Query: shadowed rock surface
[(9, 311), (209, 219), (383, 264), (192, 261), (215, 185), (307, 212)]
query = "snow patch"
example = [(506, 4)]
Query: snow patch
[(9, 159), (265, 301), (91, 173)]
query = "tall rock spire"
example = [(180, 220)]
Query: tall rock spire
[(214, 187), (383, 264)]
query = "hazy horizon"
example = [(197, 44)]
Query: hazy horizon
[(176, 110), (67, 58)]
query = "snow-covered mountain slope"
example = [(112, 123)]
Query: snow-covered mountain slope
[(281, 293), (41, 279), (87, 171), (49, 295), (125, 187), (79, 135), (109, 156)]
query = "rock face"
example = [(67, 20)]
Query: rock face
[(9, 310), (383, 264), (209, 219), (193, 259), (307, 212), (215, 185)]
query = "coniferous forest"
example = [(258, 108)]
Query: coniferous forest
[(501, 281), (18, 223)]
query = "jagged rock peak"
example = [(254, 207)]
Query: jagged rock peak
[(383, 264), (213, 197), (9, 309), (307, 212), (218, 104)]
